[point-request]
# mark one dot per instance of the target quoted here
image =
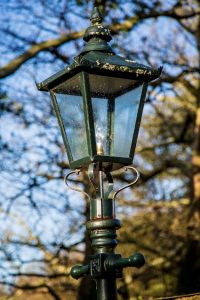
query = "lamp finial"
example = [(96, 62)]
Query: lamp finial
[(97, 35), (96, 16)]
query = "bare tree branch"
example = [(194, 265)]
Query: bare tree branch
[(127, 25)]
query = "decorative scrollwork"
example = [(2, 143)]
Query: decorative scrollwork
[(77, 172), (130, 184), (109, 190)]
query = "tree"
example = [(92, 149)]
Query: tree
[(35, 42)]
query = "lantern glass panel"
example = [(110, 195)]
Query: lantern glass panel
[(70, 104), (115, 104), (126, 110)]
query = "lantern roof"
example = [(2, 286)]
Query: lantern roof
[(97, 57)]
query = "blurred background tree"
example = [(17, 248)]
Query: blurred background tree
[(42, 223)]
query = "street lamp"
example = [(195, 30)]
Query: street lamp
[(98, 101)]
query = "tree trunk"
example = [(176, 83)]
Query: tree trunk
[(189, 279)]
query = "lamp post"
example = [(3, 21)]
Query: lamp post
[(98, 101)]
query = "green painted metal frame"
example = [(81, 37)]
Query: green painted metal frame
[(81, 63), (88, 113), (62, 127), (109, 163), (138, 120)]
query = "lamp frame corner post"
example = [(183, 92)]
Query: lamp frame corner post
[(98, 73)]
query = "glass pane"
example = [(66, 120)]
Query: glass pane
[(101, 125), (70, 104), (126, 110), (115, 104)]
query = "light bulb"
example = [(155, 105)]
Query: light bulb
[(99, 140)]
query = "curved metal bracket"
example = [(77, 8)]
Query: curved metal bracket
[(130, 184), (109, 178), (77, 172)]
